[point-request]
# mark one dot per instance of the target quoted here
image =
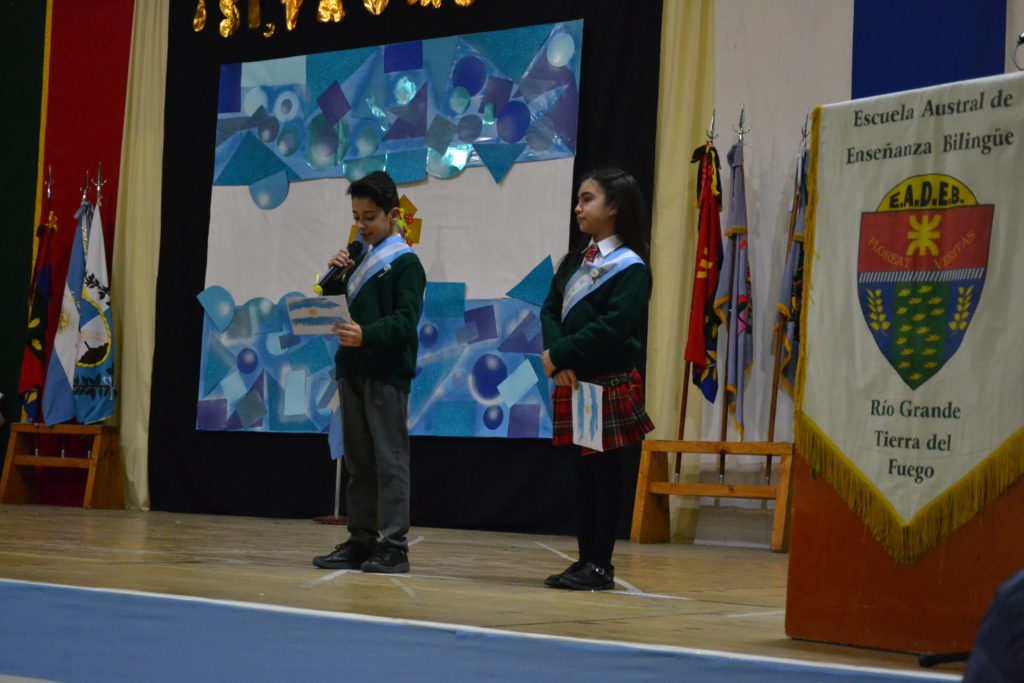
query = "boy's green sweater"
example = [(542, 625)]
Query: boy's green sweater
[(388, 311)]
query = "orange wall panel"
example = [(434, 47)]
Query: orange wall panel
[(845, 588)]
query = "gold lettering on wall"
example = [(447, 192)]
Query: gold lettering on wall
[(291, 13), (199, 20), (229, 25), (330, 10), (254, 14)]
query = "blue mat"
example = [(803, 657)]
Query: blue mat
[(75, 634)]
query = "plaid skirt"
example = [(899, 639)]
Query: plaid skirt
[(624, 418)]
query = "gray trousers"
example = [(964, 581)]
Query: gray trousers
[(374, 418)]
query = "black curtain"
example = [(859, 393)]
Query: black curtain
[(22, 33), (495, 484)]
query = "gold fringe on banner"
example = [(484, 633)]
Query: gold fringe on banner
[(956, 506), (906, 543)]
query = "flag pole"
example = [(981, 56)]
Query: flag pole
[(687, 366), (780, 329), (723, 360)]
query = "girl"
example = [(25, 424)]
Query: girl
[(590, 318)]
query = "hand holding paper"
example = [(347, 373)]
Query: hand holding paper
[(587, 417)]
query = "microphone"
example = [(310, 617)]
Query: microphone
[(354, 250)]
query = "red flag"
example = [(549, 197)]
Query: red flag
[(701, 343), (33, 363)]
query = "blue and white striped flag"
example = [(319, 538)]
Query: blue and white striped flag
[(94, 366), (58, 399)]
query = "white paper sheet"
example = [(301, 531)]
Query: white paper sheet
[(316, 315), (587, 418)]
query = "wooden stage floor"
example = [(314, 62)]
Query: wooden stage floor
[(714, 598)]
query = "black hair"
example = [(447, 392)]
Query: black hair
[(378, 187), (631, 224)]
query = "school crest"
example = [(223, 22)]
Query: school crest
[(920, 272)]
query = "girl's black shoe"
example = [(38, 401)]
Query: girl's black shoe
[(555, 580), (590, 577)]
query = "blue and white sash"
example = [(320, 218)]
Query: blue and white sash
[(375, 262), (590, 276)]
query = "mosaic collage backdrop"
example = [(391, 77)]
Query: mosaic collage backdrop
[(432, 107), (412, 109)]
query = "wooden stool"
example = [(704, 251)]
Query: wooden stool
[(103, 485), (650, 511)]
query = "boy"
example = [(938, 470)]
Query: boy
[(375, 364)]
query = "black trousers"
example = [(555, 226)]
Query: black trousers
[(598, 505)]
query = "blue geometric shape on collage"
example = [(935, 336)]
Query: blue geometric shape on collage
[(513, 121), (524, 421), (496, 92), (574, 29), (360, 168), (430, 376), (531, 88), (444, 300), (440, 134), (251, 409), (278, 421), (265, 316), (543, 383), (469, 73), (277, 344), (228, 128), (327, 392), (233, 387), (499, 158), (465, 333), (229, 98), (512, 50), (313, 356), (519, 382), (454, 418), (333, 103), (270, 192), (234, 422), (437, 61), (564, 115), (212, 415), (241, 325), (295, 393), (486, 323), (219, 305), (526, 338), (412, 118), (219, 362), (252, 161), (543, 72), (533, 289), (335, 436), (407, 167), (322, 421), (325, 68), (403, 57)]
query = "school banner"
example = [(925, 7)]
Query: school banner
[(912, 372)]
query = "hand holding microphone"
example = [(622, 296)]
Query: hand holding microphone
[(339, 263)]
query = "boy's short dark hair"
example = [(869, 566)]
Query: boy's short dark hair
[(378, 187)]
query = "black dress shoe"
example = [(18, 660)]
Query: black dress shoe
[(348, 555), (386, 559), (590, 577), (555, 580)]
